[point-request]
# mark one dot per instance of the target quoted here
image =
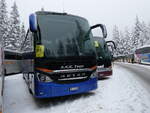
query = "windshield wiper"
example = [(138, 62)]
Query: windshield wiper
[(24, 40)]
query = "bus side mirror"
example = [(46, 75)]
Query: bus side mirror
[(33, 23), (112, 43), (103, 28)]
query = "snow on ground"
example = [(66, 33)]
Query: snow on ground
[(121, 93), (136, 64)]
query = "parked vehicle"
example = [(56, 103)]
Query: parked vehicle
[(104, 51), (62, 60), (12, 62), (105, 56), (142, 55)]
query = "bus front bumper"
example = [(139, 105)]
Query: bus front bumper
[(103, 72), (50, 89)]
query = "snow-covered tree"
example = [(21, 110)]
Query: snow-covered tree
[(136, 33), (3, 22), (148, 34), (123, 44), (128, 41), (116, 39), (145, 34), (22, 34), (14, 32)]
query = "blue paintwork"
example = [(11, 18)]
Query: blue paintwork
[(33, 22), (51, 89), (145, 57)]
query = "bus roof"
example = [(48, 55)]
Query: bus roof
[(145, 46), (12, 51), (143, 49), (57, 13)]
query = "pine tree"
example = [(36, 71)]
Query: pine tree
[(116, 39), (3, 22), (14, 37), (148, 34), (136, 33), (144, 36), (22, 34), (122, 48), (129, 42)]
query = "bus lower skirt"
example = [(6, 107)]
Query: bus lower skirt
[(48, 90)]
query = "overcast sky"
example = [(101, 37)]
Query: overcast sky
[(109, 12)]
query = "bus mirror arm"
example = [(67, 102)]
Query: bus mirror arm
[(24, 40)]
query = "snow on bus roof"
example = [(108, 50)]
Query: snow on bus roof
[(143, 49), (143, 46), (12, 51)]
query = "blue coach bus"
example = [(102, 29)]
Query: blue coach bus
[(61, 59), (142, 55)]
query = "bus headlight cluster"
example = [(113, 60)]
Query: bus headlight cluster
[(44, 78), (93, 75)]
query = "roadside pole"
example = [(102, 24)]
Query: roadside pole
[(1, 79)]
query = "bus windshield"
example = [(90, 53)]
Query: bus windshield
[(100, 46), (64, 35)]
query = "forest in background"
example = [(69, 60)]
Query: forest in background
[(12, 30), (128, 40)]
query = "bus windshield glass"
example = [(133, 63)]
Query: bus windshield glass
[(99, 44), (64, 35)]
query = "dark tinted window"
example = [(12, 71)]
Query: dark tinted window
[(63, 35), (102, 48), (143, 50)]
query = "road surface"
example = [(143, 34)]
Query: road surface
[(125, 92), (141, 72)]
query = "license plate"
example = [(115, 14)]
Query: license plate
[(74, 88)]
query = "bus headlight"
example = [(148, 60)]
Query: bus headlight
[(44, 78), (93, 75)]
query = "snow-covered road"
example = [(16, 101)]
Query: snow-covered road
[(121, 93), (141, 72)]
